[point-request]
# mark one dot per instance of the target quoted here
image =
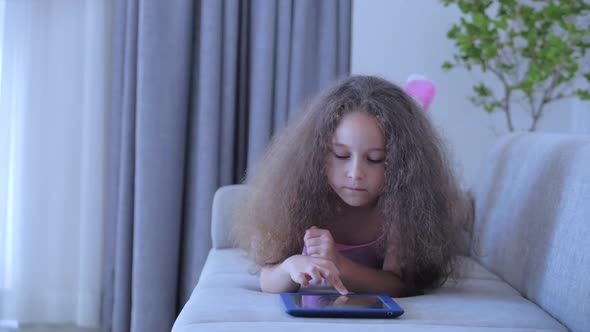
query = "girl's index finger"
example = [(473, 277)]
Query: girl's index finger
[(335, 281), (339, 286)]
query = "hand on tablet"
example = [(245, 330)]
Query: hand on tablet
[(319, 242), (306, 269)]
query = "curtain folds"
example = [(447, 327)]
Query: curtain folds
[(199, 88)]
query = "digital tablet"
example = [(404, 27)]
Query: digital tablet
[(336, 305)]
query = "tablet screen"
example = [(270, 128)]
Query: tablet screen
[(337, 301)]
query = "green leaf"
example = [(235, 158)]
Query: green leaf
[(490, 107), (583, 94), (506, 67), (465, 6), (482, 90), (480, 20), (454, 32), (447, 65)]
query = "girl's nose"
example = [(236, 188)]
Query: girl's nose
[(355, 171)]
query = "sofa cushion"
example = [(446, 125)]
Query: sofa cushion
[(476, 301), (532, 224)]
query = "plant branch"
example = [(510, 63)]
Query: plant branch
[(507, 96), (538, 110), (534, 49)]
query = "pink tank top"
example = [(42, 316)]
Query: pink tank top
[(366, 254)]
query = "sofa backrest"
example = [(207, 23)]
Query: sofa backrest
[(222, 214), (532, 221)]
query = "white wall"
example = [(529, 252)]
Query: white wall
[(395, 38)]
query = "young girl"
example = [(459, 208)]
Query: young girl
[(356, 191)]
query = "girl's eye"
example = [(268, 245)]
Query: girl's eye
[(375, 161), (341, 156)]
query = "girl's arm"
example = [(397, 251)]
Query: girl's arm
[(300, 270), (274, 279), (363, 279), (357, 277)]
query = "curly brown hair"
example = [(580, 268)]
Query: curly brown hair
[(421, 203)]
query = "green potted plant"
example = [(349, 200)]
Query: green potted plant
[(535, 49)]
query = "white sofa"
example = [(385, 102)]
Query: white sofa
[(529, 269)]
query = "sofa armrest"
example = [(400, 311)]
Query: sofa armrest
[(531, 226), (222, 215)]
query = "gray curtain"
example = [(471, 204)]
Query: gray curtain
[(199, 88)]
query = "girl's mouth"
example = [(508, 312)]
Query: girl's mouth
[(354, 189)]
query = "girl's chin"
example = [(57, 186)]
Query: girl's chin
[(349, 201)]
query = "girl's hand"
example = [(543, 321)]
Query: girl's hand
[(319, 242), (304, 269)]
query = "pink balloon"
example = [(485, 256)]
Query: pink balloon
[(421, 89)]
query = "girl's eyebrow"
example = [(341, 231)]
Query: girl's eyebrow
[(346, 146)]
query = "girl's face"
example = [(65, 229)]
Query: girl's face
[(355, 166)]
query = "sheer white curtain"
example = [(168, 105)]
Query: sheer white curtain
[(53, 117)]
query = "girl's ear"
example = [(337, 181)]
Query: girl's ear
[(421, 89)]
